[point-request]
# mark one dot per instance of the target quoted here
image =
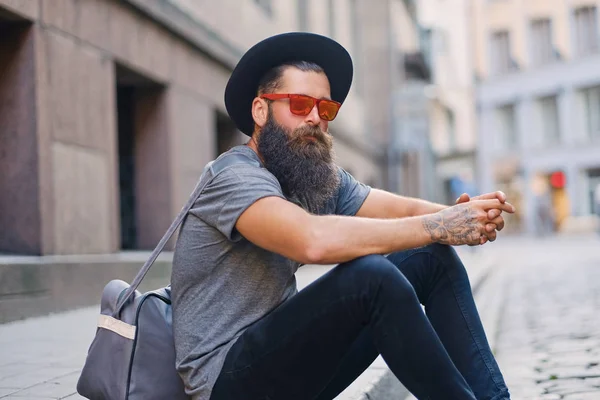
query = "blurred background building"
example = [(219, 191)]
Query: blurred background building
[(537, 71), (446, 32)]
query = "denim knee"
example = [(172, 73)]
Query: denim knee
[(376, 271), (449, 259)]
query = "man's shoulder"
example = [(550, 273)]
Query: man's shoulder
[(239, 164), (237, 156)]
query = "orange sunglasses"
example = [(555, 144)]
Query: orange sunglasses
[(301, 104)]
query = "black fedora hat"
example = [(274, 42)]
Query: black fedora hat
[(276, 50)]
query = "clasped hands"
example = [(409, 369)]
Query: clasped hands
[(495, 221)]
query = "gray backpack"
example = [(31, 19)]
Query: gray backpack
[(132, 356)]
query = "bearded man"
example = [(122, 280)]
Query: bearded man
[(243, 331)]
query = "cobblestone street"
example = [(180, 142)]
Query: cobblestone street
[(548, 341)]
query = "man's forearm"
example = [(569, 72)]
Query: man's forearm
[(424, 207), (338, 238)]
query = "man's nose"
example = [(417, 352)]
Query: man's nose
[(313, 116)]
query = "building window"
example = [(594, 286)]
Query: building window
[(507, 127), (542, 48), (592, 111), (549, 120), (425, 43), (586, 30), (501, 59), (266, 5), (303, 15)]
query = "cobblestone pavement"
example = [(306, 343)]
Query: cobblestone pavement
[(548, 341)]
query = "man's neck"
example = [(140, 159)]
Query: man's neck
[(252, 144)]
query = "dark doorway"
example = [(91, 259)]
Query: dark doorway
[(20, 219), (143, 160), (126, 138)]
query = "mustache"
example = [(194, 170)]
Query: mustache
[(309, 130)]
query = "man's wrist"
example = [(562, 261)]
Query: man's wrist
[(427, 208), (429, 222)]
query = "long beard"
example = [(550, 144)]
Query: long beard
[(304, 167)]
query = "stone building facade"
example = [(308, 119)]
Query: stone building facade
[(110, 109)]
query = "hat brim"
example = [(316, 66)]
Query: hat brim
[(295, 46)]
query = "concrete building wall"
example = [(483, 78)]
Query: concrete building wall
[(75, 123), (177, 56)]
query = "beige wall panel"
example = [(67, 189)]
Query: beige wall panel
[(195, 73), (438, 128), (27, 8), (82, 204), (61, 14), (343, 24), (93, 21), (79, 84), (44, 132), (464, 109), (582, 3), (251, 23), (501, 14), (318, 16), (193, 142), (116, 29), (76, 106), (125, 29), (541, 8), (350, 119), (154, 49), (479, 40), (404, 27)]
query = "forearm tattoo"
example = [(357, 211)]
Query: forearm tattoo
[(453, 226)]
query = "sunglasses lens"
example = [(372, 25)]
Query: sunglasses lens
[(328, 110), (301, 105)]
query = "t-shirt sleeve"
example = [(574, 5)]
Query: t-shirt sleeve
[(230, 193), (351, 195)]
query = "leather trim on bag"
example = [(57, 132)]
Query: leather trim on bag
[(116, 326)]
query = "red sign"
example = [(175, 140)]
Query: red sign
[(558, 180)]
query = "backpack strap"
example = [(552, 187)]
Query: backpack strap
[(216, 166)]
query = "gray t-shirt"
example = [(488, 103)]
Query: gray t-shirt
[(222, 283)]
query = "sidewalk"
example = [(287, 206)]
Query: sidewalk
[(42, 356)]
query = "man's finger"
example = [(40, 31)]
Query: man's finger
[(463, 198), (490, 204), (497, 223), (490, 232), (494, 213), (499, 195)]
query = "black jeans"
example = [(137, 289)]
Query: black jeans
[(316, 343)]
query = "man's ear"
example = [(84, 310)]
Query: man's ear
[(260, 111)]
